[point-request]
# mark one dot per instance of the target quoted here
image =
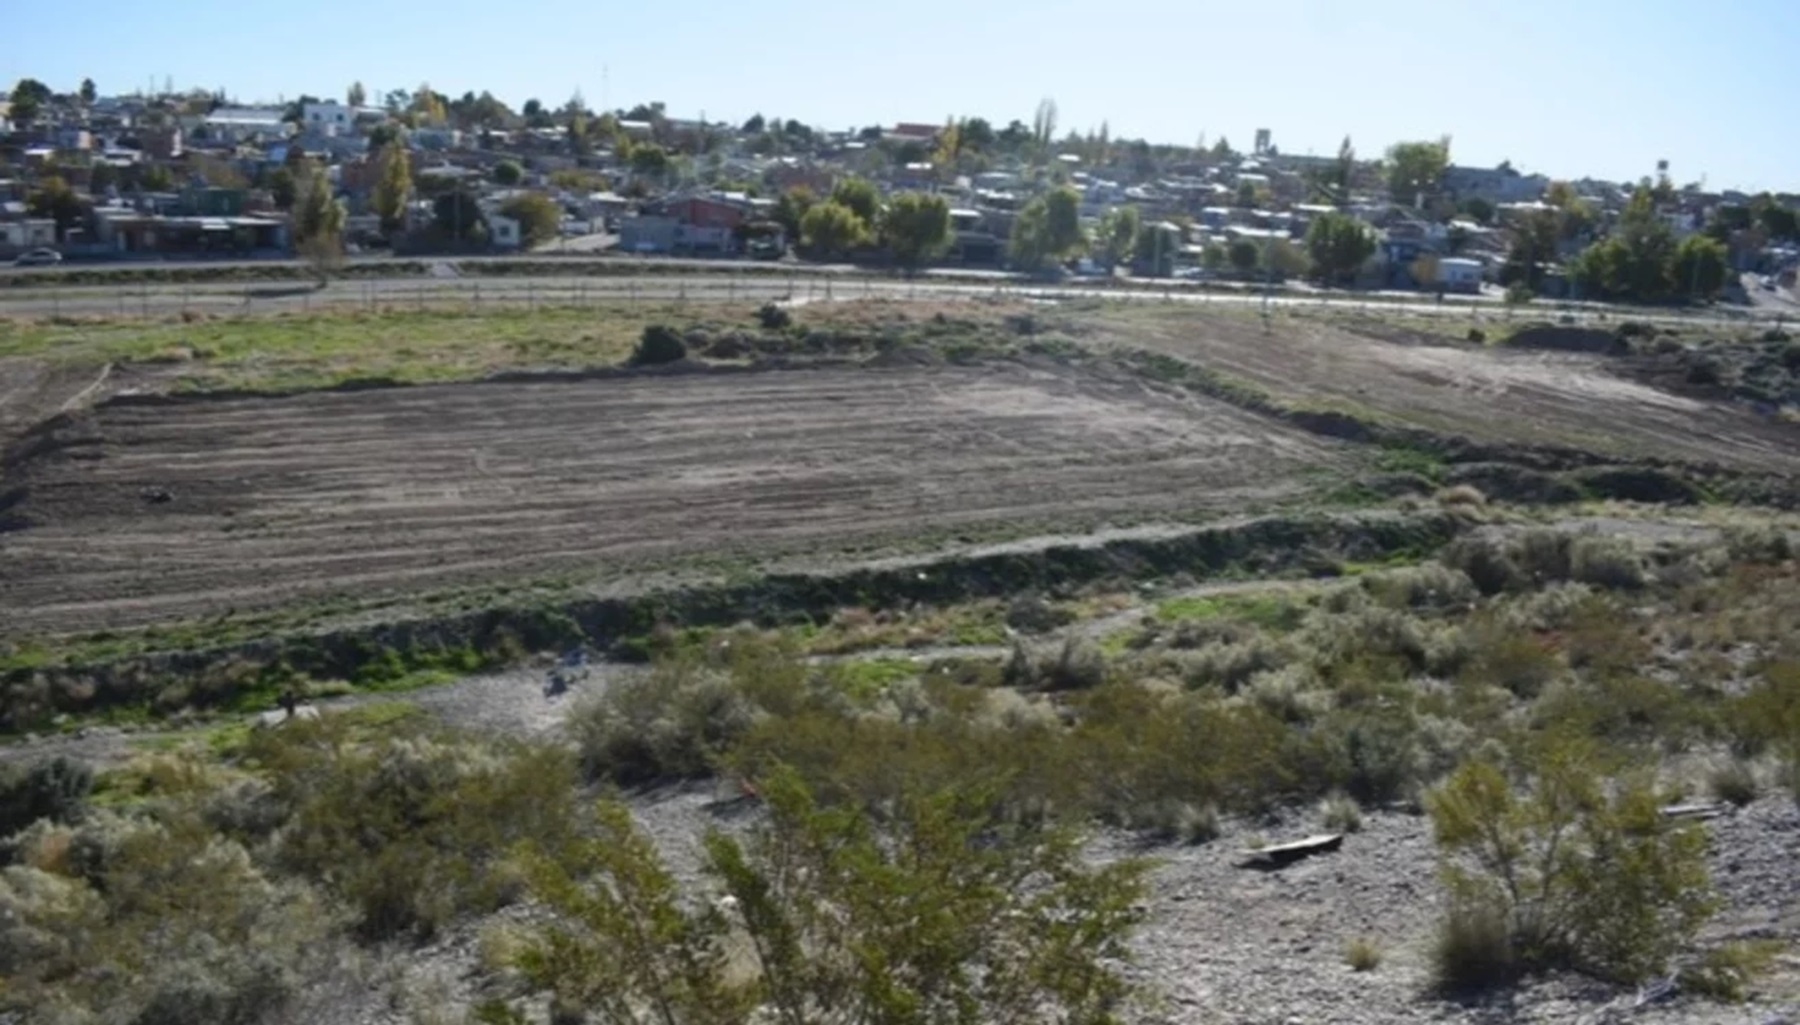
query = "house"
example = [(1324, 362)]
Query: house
[(1495, 185), (688, 224), (1459, 274), (907, 131), (25, 234), (972, 239), (125, 230), (233, 125), (503, 231), (327, 118)]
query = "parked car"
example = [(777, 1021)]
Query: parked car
[(39, 258)]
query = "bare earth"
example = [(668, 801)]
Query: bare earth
[(177, 510), (1491, 394)]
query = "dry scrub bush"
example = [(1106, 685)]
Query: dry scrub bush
[(50, 788), (414, 830), (1077, 664), (1339, 813), (946, 913), (1578, 872), (1429, 585), (1732, 781), (1606, 562), (1362, 954), (176, 926), (672, 723)]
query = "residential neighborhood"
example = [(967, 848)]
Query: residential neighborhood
[(87, 176)]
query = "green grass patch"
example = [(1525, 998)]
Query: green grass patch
[(1278, 611), (864, 679)]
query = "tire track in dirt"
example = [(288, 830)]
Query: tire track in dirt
[(151, 512)]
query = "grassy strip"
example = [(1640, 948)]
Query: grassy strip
[(84, 676)]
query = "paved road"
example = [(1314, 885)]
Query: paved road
[(477, 291)]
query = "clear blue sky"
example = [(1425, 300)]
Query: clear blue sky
[(1601, 87)]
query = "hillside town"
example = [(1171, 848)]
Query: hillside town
[(86, 176)]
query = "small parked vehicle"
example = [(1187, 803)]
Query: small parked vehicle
[(39, 258)]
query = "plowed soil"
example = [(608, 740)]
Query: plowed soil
[(1492, 394), (144, 512)]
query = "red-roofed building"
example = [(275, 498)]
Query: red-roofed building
[(910, 132)]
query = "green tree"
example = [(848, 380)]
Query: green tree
[(56, 200), (1156, 247), (1339, 245), (157, 178), (1781, 222), (791, 208), (916, 228), (1534, 247), (318, 224), (650, 161), (1634, 261), (429, 106), (976, 134), (457, 218), (1047, 230), (88, 92), (1477, 209), (386, 133), (860, 197), (1116, 238), (508, 173), (28, 97), (1583, 871), (1243, 255), (941, 914), (540, 219), (1414, 168), (1283, 259), (1222, 150), (393, 187), (1043, 127), (356, 95), (755, 125), (1212, 258), (283, 188), (831, 229), (1698, 268)]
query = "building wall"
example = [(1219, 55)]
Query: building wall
[(327, 118)]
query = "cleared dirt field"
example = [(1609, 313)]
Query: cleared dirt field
[(177, 510), (1489, 394)]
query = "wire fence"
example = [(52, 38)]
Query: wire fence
[(475, 294)]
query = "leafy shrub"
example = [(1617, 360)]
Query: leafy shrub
[(1764, 543), (1543, 555), (773, 317), (659, 344), (1461, 495), (1030, 613), (1577, 873), (412, 830), (1486, 561), (1477, 335), (1726, 971), (179, 926), (1518, 662), (1077, 664), (1362, 954), (1341, 814), (52, 788), (1606, 562), (974, 918), (1171, 820), (1430, 585), (1474, 948), (1733, 781), (672, 723)]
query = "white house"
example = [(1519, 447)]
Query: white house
[(1459, 274), (503, 232), (238, 124), (327, 117)]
